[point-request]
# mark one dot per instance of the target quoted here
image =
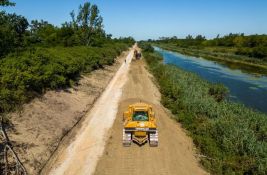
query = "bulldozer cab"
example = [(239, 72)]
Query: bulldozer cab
[(140, 116), (139, 113)]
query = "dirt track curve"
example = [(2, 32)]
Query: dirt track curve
[(97, 147)]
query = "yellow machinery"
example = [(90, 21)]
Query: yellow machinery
[(137, 55), (140, 125)]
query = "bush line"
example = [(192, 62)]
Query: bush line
[(24, 75)]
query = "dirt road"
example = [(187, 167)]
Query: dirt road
[(97, 147), (174, 155)]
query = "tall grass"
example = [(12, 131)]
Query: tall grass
[(26, 74), (231, 137)]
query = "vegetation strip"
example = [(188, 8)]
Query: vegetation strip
[(231, 137), (39, 56)]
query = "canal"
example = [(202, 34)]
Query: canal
[(245, 88)]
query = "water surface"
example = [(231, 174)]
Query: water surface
[(245, 88)]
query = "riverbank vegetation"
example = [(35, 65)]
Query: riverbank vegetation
[(37, 56), (235, 50), (231, 139)]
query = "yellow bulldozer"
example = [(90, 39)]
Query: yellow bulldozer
[(137, 55), (139, 125)]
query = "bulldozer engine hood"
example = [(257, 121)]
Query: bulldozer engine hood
[(140, 107)]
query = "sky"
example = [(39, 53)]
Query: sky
[(151, 19)]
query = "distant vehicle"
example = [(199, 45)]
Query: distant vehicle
[(140, 125), (137, 55)]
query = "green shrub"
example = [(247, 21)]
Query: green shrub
[(219, 91), (146, 47), (37, 69)]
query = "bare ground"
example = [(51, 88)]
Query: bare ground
[(175, 153), (41, 124)]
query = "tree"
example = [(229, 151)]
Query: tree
[(12, 30), (239, 41), (42, 32), (6, 3), (73, 20), (66, 35), (189, 37), (90, 22), (200, 38)]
